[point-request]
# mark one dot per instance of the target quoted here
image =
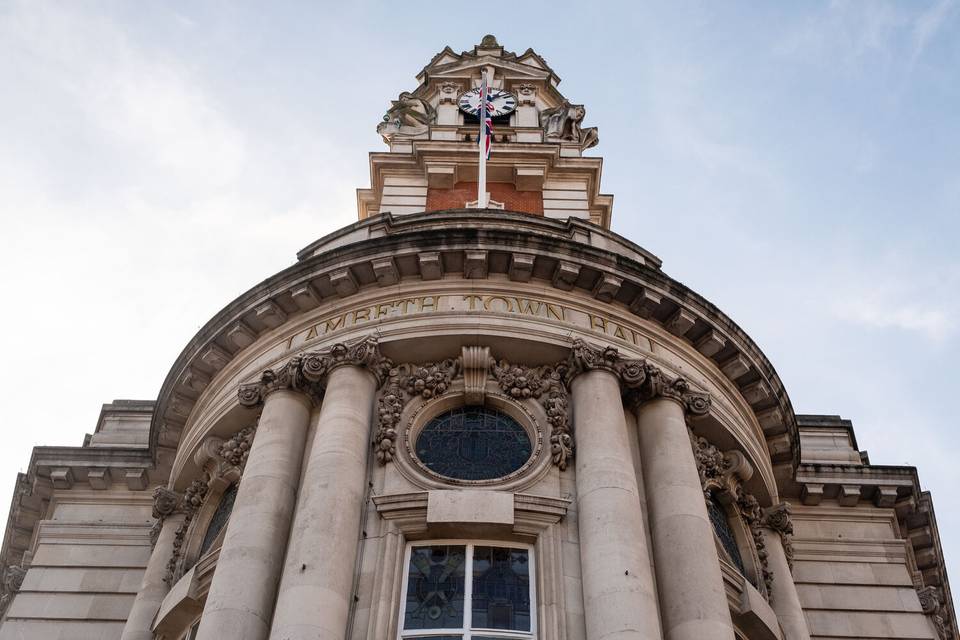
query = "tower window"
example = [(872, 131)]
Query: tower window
[(473, 443), (468, 592)]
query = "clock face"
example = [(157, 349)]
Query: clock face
[(503, 102)]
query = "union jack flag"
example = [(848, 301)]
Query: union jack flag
[(486, 119)]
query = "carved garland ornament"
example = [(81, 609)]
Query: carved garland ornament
[(224, 460), (406, 381), (725, 473), (545, 384)]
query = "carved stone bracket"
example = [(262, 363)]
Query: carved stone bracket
[(307, 372), (13, 577), (724, 473)]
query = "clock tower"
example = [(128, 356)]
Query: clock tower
[(537, 164)]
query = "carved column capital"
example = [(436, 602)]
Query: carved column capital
[(644, 380), (778, 518), (658, 385), (932, 606), (307, 372), (587, 357)]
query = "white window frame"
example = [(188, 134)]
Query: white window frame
[(466, 631)]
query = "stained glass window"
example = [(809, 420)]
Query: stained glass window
[(467, 592), (473, 443), (220, 517), (721, 526)]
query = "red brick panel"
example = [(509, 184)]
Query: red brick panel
[(464, 192)]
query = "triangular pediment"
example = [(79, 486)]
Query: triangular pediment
[(466, 67)]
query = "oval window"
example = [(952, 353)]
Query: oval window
[(473, 443)]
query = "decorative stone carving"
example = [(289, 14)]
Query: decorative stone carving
[(931, 605), (475, 363), (403, 382), (13, 577), (778, 518), (527, 93), (724, 474), (448, 92), (237, 448), (307, 372), (638, 377), (546, 384), (165, 502), (562, 124), (408, 116), (193, 498)]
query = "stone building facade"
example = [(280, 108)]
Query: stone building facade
[(448, 422)]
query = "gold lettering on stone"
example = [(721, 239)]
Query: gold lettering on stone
[(473, 302)]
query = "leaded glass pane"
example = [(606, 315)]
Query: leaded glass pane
[(220, 517), (501, 589), (718, 516), (473, 443), (435, 581)]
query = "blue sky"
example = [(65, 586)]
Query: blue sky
[(796, 163)]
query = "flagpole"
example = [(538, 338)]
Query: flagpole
[(482, 144)]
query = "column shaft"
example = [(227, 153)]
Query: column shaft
[(153, 588), (693, 602), (785, 600), (316, 588), (619, 599), (244, 585)]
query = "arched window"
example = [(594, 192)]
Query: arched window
[(220, 518), (466, 591), (721, 527)]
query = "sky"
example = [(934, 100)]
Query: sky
[(798, 164)]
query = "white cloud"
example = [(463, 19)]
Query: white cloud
[(933, 323), (928, 24)]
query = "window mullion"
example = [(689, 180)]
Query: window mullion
[(468, 595)]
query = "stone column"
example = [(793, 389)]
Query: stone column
[(619, 598), (241, 597), (783, 597), (153, 587), (693, 602), (317, 584)]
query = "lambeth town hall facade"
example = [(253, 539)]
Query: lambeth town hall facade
[(448, 422)]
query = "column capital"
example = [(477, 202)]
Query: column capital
[(308, 372), (644, 380), (778, 518)]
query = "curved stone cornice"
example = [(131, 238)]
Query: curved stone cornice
[(307, 372), (637, 376), (569, 255)]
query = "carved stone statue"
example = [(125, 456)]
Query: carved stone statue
[(408, 115), (562, 124)]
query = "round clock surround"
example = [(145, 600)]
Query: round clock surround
[(504, 102)]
